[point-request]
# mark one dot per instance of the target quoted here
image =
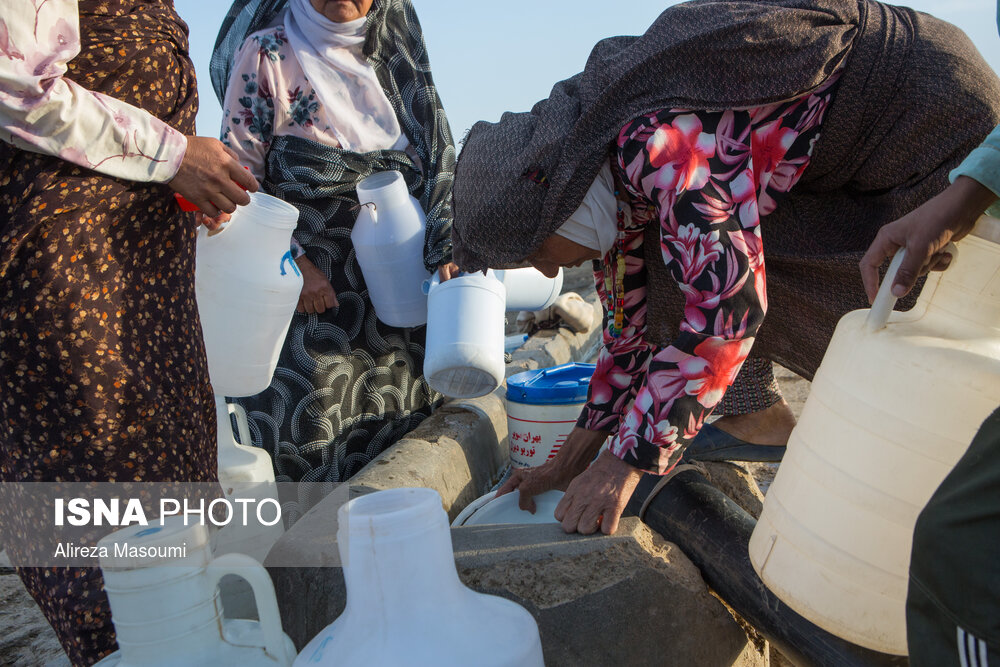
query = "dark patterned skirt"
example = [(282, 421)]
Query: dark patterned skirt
[(102, 367)]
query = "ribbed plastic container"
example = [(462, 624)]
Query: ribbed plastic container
[(247, 285), (465, 335), (166, 609), (894, 405), (542, 408)]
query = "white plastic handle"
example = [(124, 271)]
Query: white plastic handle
[(884, 302), (254, 573)]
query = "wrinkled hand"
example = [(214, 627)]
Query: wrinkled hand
[(552, 474), (448, 271), (212, 178), (573, 458), (925, 232), (598, 496), (317, 293)]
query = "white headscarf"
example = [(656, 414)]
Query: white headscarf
[(354, 103), (595, 223)]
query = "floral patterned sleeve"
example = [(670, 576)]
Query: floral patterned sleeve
[(248, 110), (43, 112), (704, 178)]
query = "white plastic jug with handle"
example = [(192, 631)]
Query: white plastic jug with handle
[(388, 238), (529, 289), (247, 285), (405, 602), (245, 473), (165, 606), (894, 405), (465, 336)]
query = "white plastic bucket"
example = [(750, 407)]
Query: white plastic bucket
[(388, 239), (542, 408), (465, 335), (529, 289), (490, 509), (247, 286)]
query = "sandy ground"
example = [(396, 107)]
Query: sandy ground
[(27, 641)]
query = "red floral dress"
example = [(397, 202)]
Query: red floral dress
[(707, 177)]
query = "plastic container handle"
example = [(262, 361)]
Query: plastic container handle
[(242, 425), (884, 302), (254, 573)]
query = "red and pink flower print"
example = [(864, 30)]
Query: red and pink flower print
[(713, 367), (679, 152), (709, 178)]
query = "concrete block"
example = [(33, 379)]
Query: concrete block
[(459, 451), (631, 598)]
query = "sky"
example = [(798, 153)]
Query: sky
[(488, 57)]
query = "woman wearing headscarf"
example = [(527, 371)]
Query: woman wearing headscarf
[(103, 374), (317, 96), (729, 137)]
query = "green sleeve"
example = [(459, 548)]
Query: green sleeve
[(983, 164)]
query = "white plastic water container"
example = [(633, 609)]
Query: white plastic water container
[(894, 405), (465, 335), (247, 285), (165, 604), (245, 473), (529, 289), (542, 408), (405, 602), (388, 238)]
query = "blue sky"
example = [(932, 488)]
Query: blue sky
[(491, 57)]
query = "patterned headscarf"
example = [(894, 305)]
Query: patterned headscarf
[(394, 45)]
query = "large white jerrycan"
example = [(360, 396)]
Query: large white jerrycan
[(529, 289), (894, 405), (405, 602), (388, 239), (165, 604), (465, 335), (247, 286)]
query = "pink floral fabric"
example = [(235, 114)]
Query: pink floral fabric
[(706, 178), (44, 112)]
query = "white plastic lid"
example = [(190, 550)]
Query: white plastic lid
[(505, 510)]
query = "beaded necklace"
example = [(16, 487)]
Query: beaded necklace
[(614, 277)]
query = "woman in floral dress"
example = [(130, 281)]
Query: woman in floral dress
[(325, 95), (102, 369), (729, 137)]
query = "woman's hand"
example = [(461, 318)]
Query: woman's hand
[(448, 271), (924, 232), (317, 292), (212, 178), (597, 498), (573, 458)]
